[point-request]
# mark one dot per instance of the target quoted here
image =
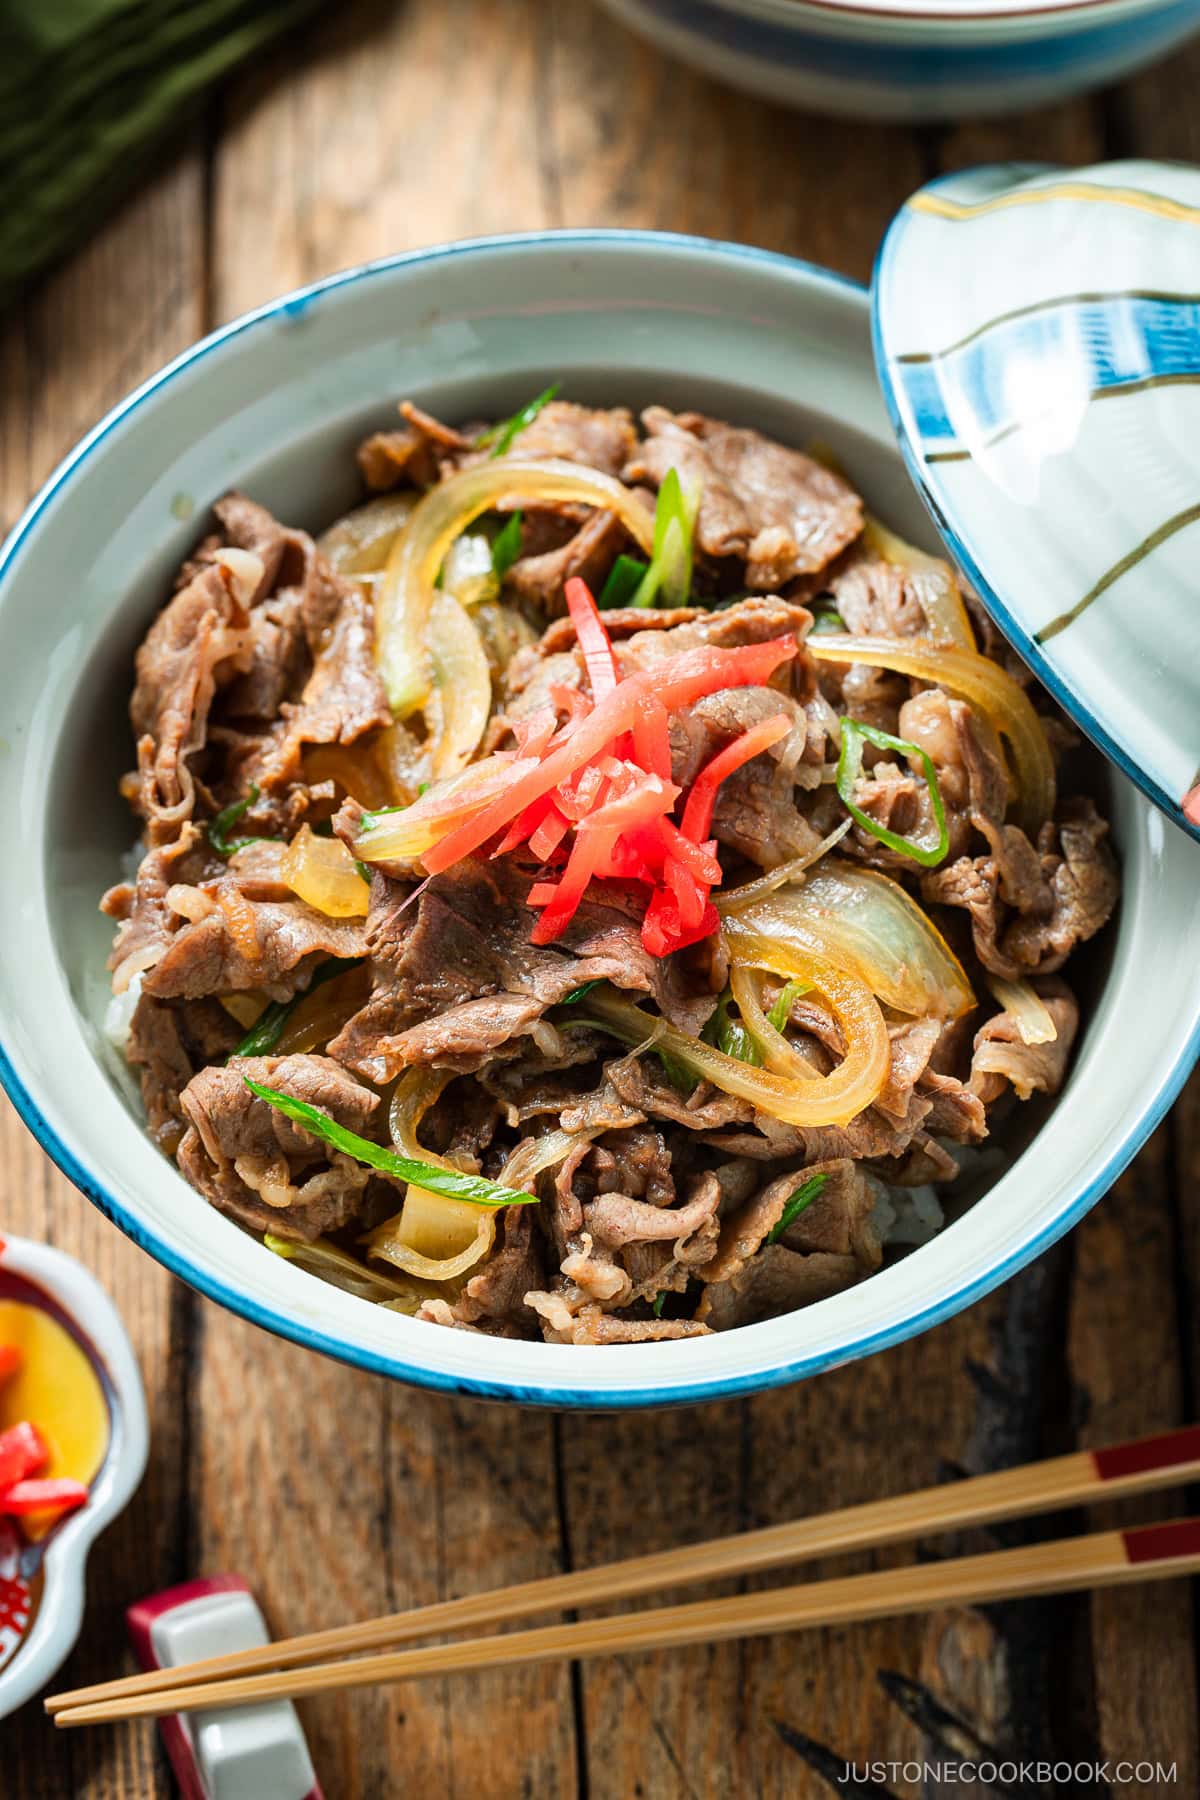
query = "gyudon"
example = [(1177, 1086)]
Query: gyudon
[(602, 888)]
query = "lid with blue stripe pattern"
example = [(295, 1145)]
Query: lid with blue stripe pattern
[(1037, 333)]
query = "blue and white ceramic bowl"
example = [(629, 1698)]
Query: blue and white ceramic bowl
[(914, 59), (275, 404), (1038, 336)]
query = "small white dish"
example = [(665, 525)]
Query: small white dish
[(1038, 339), (82, 1302), (275, 403), (915, 60)]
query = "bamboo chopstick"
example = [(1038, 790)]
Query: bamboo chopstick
[(1165, 1459), (1105, 1559)]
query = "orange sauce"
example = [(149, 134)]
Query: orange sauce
[(57, 1389)]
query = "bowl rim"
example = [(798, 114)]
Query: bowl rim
[(57, 1623), (948, 12), (397, 1365)]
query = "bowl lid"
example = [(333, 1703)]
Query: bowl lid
[(1037, 334)]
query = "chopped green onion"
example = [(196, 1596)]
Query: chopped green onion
[(451, 1184), (624, 579), (499, 437), (797, 1203), (781, 1011), (659, 1301), (507, 546), (826, 617), (220, 827), (330, 1263), (681, 1078), (670, 568), (730, 1035), (267, 1029), (577, 994), (849, 768), (363, 871)]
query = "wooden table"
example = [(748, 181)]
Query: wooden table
[(338, 1494)]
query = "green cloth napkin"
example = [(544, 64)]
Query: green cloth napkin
[(87, 89)]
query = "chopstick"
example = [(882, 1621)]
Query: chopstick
[(1166, 1459), (1105, 1559)]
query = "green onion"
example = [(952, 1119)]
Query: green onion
[(854, 734), (797, 1203), (624, 579), (363, 871), (826, 617), (451, 1184), (500, 436), (577, 994), (659, 1301), (220, 827), (507, 546), (267, 1029), (670, 568), (730, 1035), (683, 1079), (781, 1011)]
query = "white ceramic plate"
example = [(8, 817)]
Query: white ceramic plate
[(1038, 335), (275, 402)]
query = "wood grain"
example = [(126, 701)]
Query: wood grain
[(129, 300), (378, 128)]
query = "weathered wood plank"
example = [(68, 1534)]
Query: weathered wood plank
[(1123, 1347), (389, 128), (129, 300), (409, 1498), (634, 139)]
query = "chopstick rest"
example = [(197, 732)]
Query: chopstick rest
[(255, 1750)]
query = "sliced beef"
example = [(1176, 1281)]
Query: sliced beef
[(777, 1280), (588, 554), (144, 922), (597, 437), (203, 632), (415, 453), (168, 1042), (1002, 1057), (590, 1324), (456, 976), (1026, 924), (514, 1269), (778, 511), (244, 944), (255, 1164)]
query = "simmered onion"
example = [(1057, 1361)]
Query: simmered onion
[(813, 1099), (404, 596), (864, 923), (431, 1237), (321, 871), (359, 542), (978, 680), (1033, 1018)]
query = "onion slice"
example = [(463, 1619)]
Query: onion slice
[(861, 922), (810, 1100), (1033, 1018), (461, 701), (431, 1237), (977, 679), (405, 593)]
